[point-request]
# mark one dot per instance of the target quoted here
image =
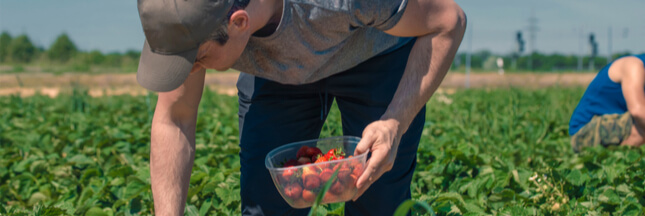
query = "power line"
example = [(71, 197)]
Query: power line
[(532, 30)]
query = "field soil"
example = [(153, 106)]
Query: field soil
[(27, 84)]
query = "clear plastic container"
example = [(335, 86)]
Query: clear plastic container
[(299, 185)]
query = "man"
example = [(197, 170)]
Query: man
[(612, 110), (380, 60)]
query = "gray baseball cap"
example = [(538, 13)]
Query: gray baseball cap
[(174, 30)]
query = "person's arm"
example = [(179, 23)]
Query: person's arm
[(439, 27), (172, 148), (633, 86)]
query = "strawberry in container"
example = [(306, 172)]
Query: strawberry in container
[(300, 170)]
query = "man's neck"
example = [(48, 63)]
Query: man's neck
[(265, 16)]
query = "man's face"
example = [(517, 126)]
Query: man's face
[(212, 55)]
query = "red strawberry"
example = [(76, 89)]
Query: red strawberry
[(310, 170), (330, 197), (302, 152), (287, 174), (320, 159), (344, 174), (293, 191), (317, 157), (310, 178), (308, 195), (313, 152), (304, 160), (335, 154), (351, 182), (337, 188), (325, 175), (331, 151), (358, 169), (311, 181), (291, 163)]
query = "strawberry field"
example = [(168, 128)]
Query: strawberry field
[(483, 152)]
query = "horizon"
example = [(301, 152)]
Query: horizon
[(564, 26)]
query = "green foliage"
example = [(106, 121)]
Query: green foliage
[(63, 56), (494, 151), (408, 205), (482, 152), (21, 50), (5, 40), (321, 194), (62, 49), (485, 60)]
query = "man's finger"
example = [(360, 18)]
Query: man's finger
[(373, 172), (360, 192), (365, 144), (373, 168)]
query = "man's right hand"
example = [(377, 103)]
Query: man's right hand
[(172, 148)]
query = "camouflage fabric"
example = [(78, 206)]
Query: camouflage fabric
[(605, 130)]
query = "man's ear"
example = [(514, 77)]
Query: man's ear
[(239, 22)]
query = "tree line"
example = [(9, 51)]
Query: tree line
[(63, 51), (536, 61), (19, 50)]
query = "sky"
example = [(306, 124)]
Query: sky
[(563, 25)]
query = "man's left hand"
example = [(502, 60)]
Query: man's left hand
[(382, 139)]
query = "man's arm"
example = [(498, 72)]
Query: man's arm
[(633, 85), (172, 148), (439, 27)]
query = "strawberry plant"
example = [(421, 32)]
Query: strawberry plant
[(482, 152)]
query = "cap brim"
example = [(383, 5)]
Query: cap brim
[(162, 73)]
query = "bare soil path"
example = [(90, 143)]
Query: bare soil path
[(27, 84)]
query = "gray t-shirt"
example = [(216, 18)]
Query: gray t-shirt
[(318, 38)]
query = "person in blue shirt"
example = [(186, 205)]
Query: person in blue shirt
[(612, 109)]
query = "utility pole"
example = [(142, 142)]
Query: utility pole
[(580, 49), (532, 29), (609, 43)]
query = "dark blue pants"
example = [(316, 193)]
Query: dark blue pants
[(272, 114)]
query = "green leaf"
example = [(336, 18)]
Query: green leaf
[(134, 188), (197, 176), (120, 171), (206, 205), (191, 210), (631, 209), (407, 205), (40, 210), (322, 193), (624, 190), (575, 177), (505, 195), (80, 159), (632, 156), (609, 197), (135, 206), (88, 174), (37, 198), (95, 211), (117, 181), (336, 209)]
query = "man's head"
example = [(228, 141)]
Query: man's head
[(183, 33)]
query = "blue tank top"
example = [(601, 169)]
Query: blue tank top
[(603, 96)]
